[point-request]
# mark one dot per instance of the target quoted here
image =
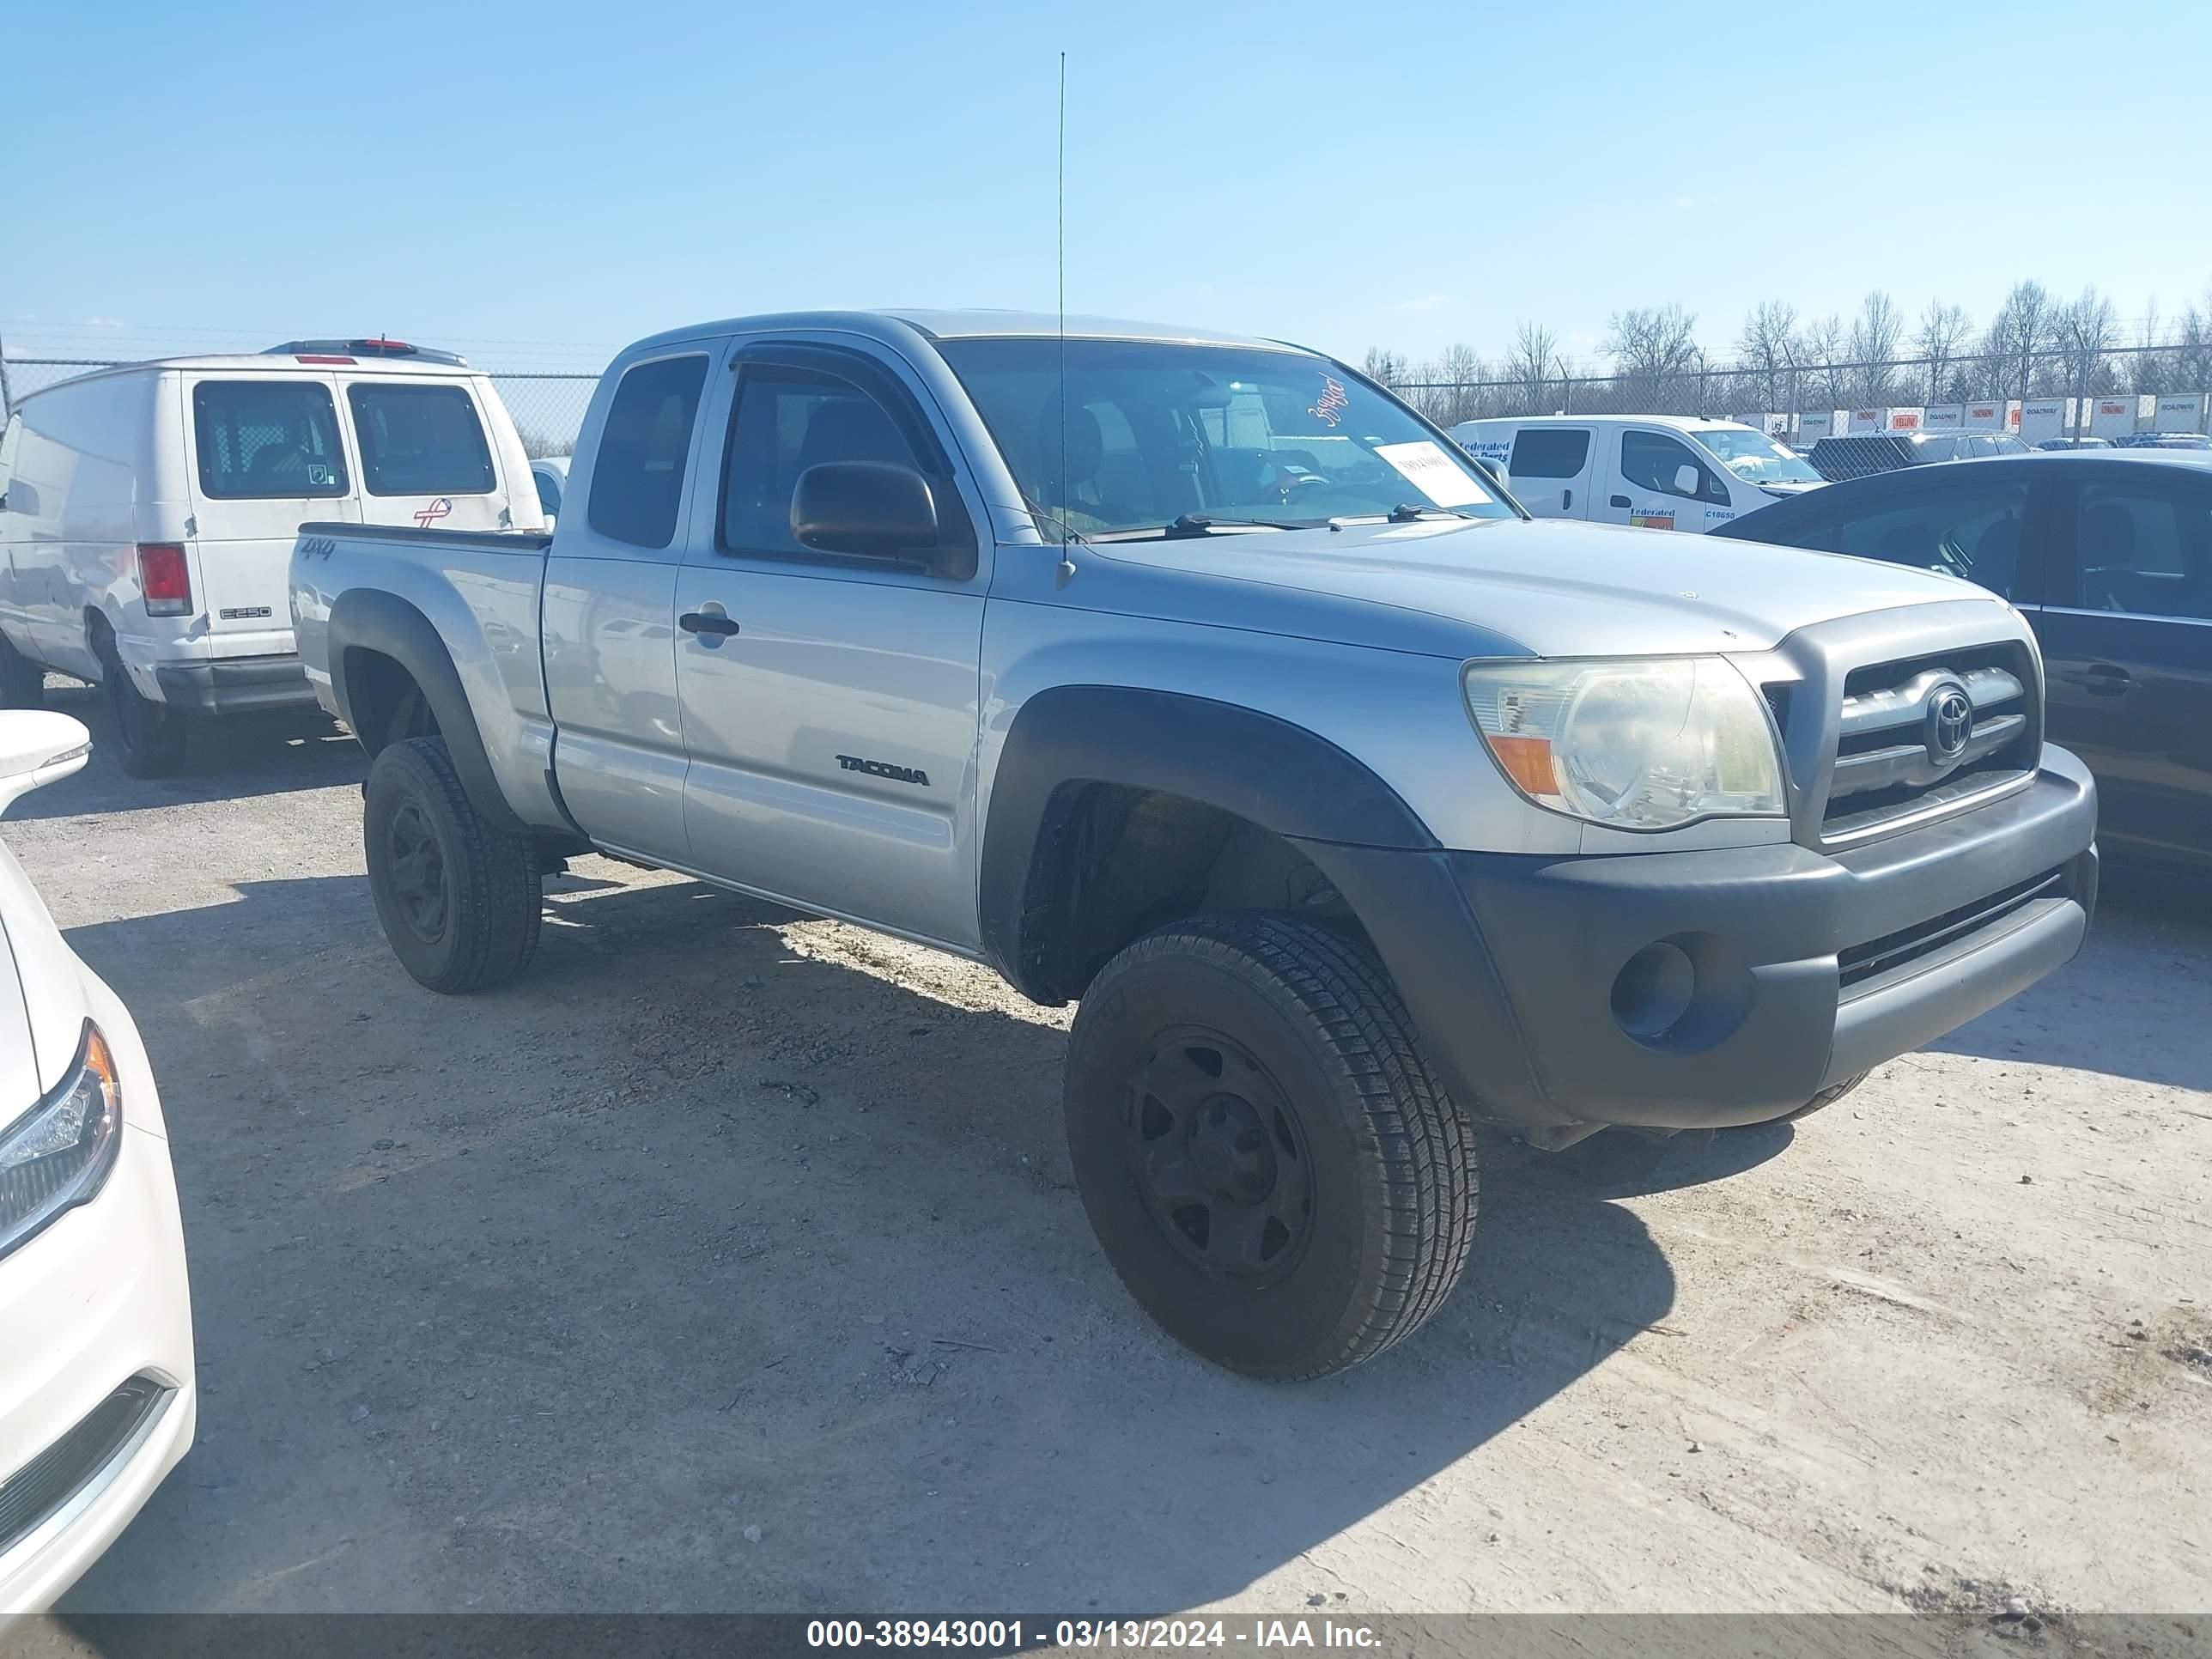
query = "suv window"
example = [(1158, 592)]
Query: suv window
[(267, 441), (1960, 528), (1649, 461), (637, 478), (420, 440), (1549, 451), (2145, 548), (788, 420)]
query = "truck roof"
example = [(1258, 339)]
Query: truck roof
[(964, 325)]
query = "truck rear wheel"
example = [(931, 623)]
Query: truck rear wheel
[(1263, 1155), (22, 682), (459, 898), (149, 735)]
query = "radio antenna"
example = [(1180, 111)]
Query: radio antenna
[(1066, 488)]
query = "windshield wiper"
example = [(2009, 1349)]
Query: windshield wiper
[(1204, 523), (1406, 512)]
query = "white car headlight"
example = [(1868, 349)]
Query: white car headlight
[(1633, 743), (58, 1154)]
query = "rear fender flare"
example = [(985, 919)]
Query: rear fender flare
[(368, 620)]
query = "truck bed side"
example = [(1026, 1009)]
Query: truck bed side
[(382, 612)]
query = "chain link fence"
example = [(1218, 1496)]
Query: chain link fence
[(548, 407), (1790, 399)]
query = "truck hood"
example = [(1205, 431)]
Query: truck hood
[(1545, 588)]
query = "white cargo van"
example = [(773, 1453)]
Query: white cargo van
[(1661, 471), (148, 513)]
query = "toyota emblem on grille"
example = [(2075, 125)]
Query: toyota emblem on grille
[(1950, 722)]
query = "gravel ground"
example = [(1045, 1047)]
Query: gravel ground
[(729, 1260)]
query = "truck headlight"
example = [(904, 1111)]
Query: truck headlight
[(58, 1154), (1634, 744)]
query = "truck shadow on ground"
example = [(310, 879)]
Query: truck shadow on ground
[(2136, 1004), (720, 1264), (230, 759)]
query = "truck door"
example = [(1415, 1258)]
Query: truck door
[(829, 701), (1550, 469), (607, 619), (1660, 484)]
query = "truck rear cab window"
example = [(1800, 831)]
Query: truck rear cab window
[(788, 420), (420, 440), (1543, 451), (637, 480), (267, 441)]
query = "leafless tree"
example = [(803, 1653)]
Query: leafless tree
[(1384, 367), (1656, 360), (2019, 333), (1943, 330), (2192, 342), (1819, 351), (1764, 350), (1534, 369), (1873, 344), (537, 446), (2150, 369), (1458, 371), (2086, 331)]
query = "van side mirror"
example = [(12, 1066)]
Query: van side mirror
[(873, 508), (1686, 479)]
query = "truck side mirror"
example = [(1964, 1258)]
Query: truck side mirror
[(1686, 479), (873, 508)]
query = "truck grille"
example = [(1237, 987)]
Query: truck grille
[(63, 1469), (1918, 736)]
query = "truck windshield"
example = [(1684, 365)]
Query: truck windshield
[(1159, 437), (1757, 458)]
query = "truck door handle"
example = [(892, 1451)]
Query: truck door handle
[(2100, 680), (706, 621), (1617, 501)]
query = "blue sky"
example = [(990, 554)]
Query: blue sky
[(545, 182)]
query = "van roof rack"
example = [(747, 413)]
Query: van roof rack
[(377, 346)]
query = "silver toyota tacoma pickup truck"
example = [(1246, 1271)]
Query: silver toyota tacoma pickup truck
[(1199, 681)]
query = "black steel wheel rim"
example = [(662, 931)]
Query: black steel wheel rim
[(417, 867), (1220, 1158)]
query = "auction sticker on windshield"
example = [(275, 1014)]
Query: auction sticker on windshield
[(1429, 470)]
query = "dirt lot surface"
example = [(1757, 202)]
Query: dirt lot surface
[(728, 1261)]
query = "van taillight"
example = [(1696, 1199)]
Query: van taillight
[(162, 577)]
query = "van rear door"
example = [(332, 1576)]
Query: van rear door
[(426, 459), (267, 452), (1551, 470)]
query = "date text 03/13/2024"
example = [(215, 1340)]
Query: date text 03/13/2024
[(1006, 1636)]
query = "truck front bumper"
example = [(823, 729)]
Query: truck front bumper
[(1702, 989)]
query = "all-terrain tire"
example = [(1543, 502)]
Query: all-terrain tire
[(460, 897), (22, 682), (1263, 1153), (150, 736)]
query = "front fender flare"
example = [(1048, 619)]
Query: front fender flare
[(1260, 769)]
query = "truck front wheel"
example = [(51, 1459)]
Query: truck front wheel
[(1262, 1153), (459, 898)]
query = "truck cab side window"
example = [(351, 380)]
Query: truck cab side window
[(788, 420), (637, 478)]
